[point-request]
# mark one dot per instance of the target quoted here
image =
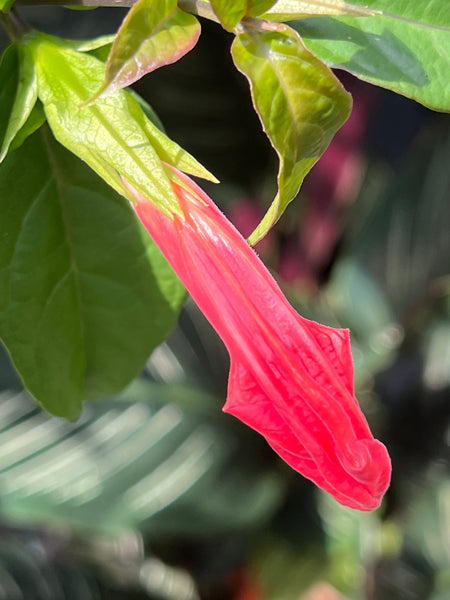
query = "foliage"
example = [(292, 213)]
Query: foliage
[(152, 493), (299, 101)]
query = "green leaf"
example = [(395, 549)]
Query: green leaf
[(102, 134), (104, 41), (287, 10), (154, 33), (32, 124), (9, 79), (231, 13), (112, 134), (300, 102), (18, 97), (258, 7), (6, 5), (168, 150), (85, 294), (406, 49), (147, 109)]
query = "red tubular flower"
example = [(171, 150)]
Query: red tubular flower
[(291, 379)]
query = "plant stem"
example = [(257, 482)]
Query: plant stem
[(203, 9), (14, 24), (124, 3), (195, 7)]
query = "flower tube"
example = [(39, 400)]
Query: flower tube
[(291, 379)]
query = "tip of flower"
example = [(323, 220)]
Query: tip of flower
[(369, 466)]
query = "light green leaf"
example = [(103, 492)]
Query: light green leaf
[(287, 10), (111, 134), (6, 5), (258, 7), (18, 95), (147, 109), (406, 49), (91, 45), (85, 294), (231, 13), (154, 33), (99, 47), (169, 151), (300, 102), (102, 134)]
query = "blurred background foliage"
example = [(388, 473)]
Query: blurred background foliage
[(155, 493)]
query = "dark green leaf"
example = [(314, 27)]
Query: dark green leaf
[(32, 124), (405, 49), (17, 98), (9, 77), (85, 295), (154, 33), (300, 102)]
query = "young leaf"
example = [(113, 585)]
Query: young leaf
[(167, 150), (110, 134), (258, 7), (231, 13), (406, 48), (300, 102), (104, 41), (18, 96), (154, 33), (6, 5), (85, 295)]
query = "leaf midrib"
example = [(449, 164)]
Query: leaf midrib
[(59, 180)]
